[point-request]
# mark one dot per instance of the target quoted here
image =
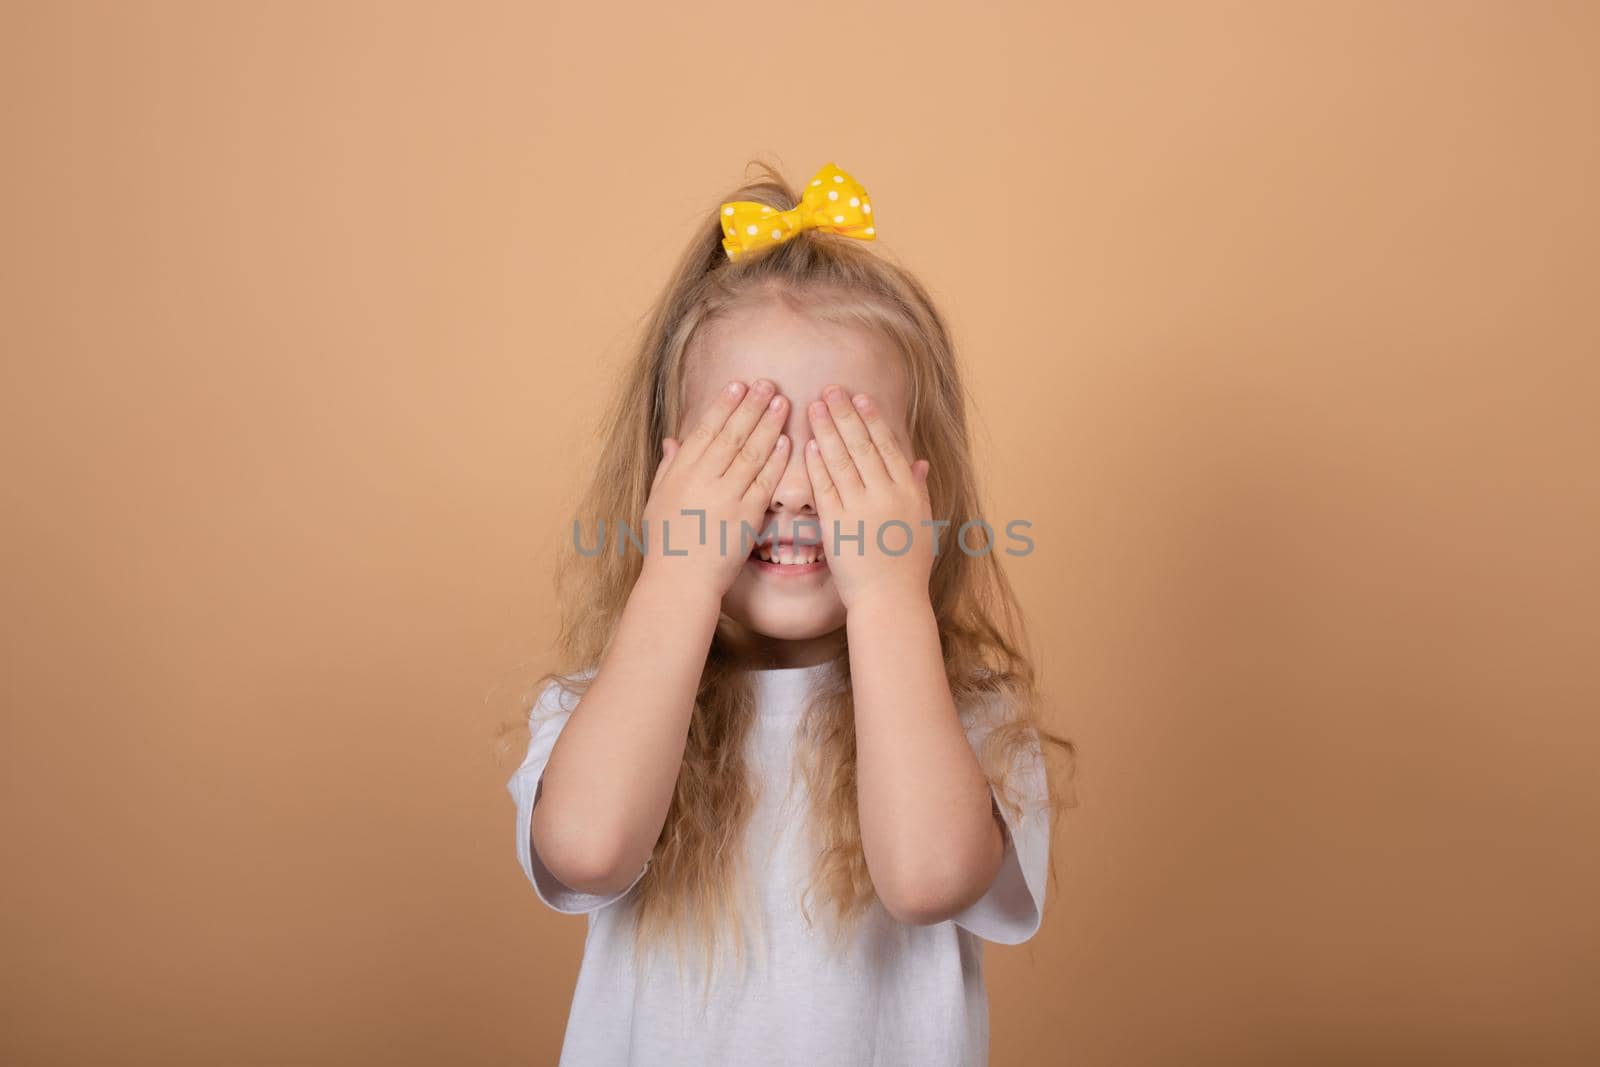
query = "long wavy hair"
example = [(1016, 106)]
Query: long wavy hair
[(693, 883)]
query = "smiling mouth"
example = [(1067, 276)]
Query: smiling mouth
[(788, 558)]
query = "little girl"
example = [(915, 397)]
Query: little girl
[(795, 740)]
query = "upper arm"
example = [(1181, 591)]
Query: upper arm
[(1010, 910), (546, 721)]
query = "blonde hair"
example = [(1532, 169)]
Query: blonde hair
[(693, 881)]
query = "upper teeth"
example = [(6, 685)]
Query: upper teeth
[(791, 554)]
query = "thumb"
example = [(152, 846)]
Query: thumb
[(669, 448)]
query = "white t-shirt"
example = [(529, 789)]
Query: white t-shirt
[(895, 995)]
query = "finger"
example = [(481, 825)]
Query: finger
[(823, 489), (705, 431), (765, 483), (724, 448), (856, 438), (757, 448), (841, 468), (894, 460)]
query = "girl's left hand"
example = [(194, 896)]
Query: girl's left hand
[(860, 478)]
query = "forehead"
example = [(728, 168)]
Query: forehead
[(797, 351)]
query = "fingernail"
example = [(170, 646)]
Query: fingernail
[(818, 409), (735, 388), (811, 445), (763, 386), (860, 401), (783, 440), (777, 402), (835, 393)]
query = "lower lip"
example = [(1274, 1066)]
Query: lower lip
[(789, 570)]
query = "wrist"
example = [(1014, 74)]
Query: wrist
[(887, 602), (680, 586)]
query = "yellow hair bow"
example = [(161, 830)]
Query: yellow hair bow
[(833, 201)]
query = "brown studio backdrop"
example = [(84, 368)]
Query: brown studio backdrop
[(1279, 319)]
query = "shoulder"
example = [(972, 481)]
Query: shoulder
[(560, 694), (1001, 732), (986, 702)]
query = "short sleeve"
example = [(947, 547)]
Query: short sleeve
[(1011, 911), (548, 718)]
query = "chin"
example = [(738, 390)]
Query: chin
[(792, 616), (784, 626)]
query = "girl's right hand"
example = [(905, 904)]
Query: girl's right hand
[(727, 467)]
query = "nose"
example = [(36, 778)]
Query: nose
[(792, 497)]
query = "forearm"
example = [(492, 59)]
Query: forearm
[(928, 829), (610, 778)]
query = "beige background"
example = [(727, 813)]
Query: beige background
[(1280, 319)]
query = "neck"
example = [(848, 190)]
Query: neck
[(771, 652)]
